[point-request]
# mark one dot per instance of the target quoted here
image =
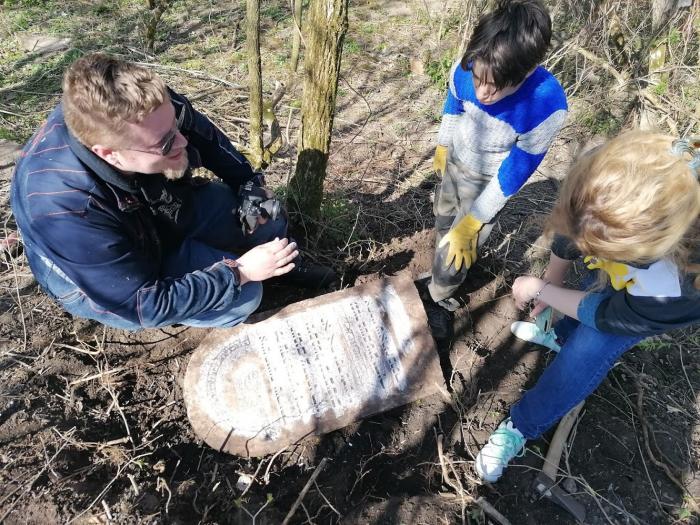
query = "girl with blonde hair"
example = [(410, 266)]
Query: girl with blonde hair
[(629, 209)]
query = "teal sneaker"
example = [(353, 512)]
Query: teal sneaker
[(532, 333), (504, 444), (540, 332)]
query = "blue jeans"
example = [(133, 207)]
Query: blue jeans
[(583, 362), (216, 233)]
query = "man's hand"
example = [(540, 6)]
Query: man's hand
[(463, 240), (271, 259), (440, 160)]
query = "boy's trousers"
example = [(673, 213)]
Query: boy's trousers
[(454, 197)]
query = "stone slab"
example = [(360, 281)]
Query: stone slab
[(313, 367), (43, 44)]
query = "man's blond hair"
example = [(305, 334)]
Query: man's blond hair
[(630, 200), (101, 93)]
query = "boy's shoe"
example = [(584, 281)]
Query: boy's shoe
[(450, 304), (504, 444), (308, 276), (439, 320), (532, 333)]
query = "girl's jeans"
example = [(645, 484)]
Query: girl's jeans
[(583, 362)]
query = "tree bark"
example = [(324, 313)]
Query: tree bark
[(661, 12), (326, 28), (255, 82), (156, 8), (296, 41)]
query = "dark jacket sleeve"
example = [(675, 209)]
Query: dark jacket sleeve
[(209, 147), (619, 312), (100, 257)]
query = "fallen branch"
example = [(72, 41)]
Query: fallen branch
[(29, 485), (303, 492), (689, 498), (456, 484)]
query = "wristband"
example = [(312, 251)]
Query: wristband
[(232, 264), (539, 292)]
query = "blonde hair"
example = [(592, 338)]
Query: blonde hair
[(101, 93), (630, 200)]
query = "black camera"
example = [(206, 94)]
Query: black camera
[(254, 204)]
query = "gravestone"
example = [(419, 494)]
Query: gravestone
[(313, 367)]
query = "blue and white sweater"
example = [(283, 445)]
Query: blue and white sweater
[(503, 142)]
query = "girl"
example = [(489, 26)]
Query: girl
[(628, 208)]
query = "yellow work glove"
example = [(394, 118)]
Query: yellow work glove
[(617, 271), (440, 160), (462, 239)]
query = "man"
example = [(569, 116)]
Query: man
[(115, 227)]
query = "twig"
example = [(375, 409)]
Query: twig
[(326, 500), (4, 112), (456, 484), (266, 476), (680, 351), (193, 72), (488, 509), (108, 513), (162, 484), (107, 487), (29, 486), (303, 492), (690, 499), (99, 375)]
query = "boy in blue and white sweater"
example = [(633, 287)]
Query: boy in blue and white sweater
[(501, 114)]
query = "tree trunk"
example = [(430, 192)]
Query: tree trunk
[(156, 8), (296, 41), (661, 11), (327, 24), (255, 82)]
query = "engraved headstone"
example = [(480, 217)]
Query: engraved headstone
[(313, 367)]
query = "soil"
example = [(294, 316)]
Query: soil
[(92, 423)]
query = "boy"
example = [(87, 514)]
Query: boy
[(501, 114)]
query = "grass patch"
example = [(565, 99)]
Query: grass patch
[(8, 134), (340, 220), (276, 12), (351, 46), (438, 70), (600, 122)]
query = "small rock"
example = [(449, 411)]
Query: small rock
[(417, 66), (569, 485), (37, 43), (244, 481)]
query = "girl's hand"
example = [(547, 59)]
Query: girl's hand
[(524, 290), (538, 308)]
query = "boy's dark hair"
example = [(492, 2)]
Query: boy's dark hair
[(510, 41)]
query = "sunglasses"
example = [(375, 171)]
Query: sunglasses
[(169, 139)]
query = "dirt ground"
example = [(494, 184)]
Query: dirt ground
[(93, 428)]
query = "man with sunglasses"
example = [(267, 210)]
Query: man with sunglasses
[(117, 229)]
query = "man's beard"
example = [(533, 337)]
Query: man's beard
[(177, 173)]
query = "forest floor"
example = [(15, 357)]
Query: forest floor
[(93, 428)]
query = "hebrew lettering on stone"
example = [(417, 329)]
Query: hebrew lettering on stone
[(311, 368)]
